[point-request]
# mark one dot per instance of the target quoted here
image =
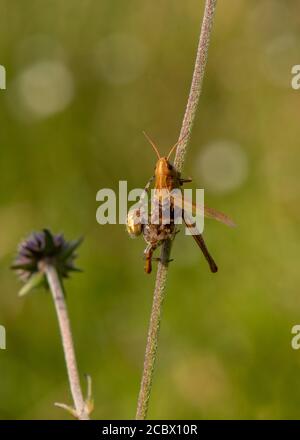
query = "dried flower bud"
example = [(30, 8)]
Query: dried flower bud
[(44, 246)]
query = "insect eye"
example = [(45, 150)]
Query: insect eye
[(170, 166)]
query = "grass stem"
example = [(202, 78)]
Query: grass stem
[(162, 270), (67, 339)]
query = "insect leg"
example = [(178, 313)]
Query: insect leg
[(187, 180), (147, 187), (201, 243), (142, 201), (148, 252)]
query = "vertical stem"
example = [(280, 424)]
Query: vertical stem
[(197, 81), (67, 339), (162, 270), (153, 333)]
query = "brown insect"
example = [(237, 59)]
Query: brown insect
[(156, 230)]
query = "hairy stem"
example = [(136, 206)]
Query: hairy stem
[(162, 270), (67, 339)]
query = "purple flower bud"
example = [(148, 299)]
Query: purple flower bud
[(45, 246)]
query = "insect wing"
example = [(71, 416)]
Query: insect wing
[(192, 208)]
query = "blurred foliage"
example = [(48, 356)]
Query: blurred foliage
[(225, 347)]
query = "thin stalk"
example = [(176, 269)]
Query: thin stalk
[(162, 270), (67, 339)]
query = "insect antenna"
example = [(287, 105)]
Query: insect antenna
[(174, 146), (152, 143)]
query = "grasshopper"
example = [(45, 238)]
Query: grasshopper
[(155, 231)]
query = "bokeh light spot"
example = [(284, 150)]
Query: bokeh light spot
[(44, 88), (223, 166), (278, 56)]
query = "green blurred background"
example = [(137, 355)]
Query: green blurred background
[(84, 78)]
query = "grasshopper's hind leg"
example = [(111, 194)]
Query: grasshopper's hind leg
[(148, 256), (148, 252)]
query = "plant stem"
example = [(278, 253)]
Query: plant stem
[(162, 270), (67, 339)]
